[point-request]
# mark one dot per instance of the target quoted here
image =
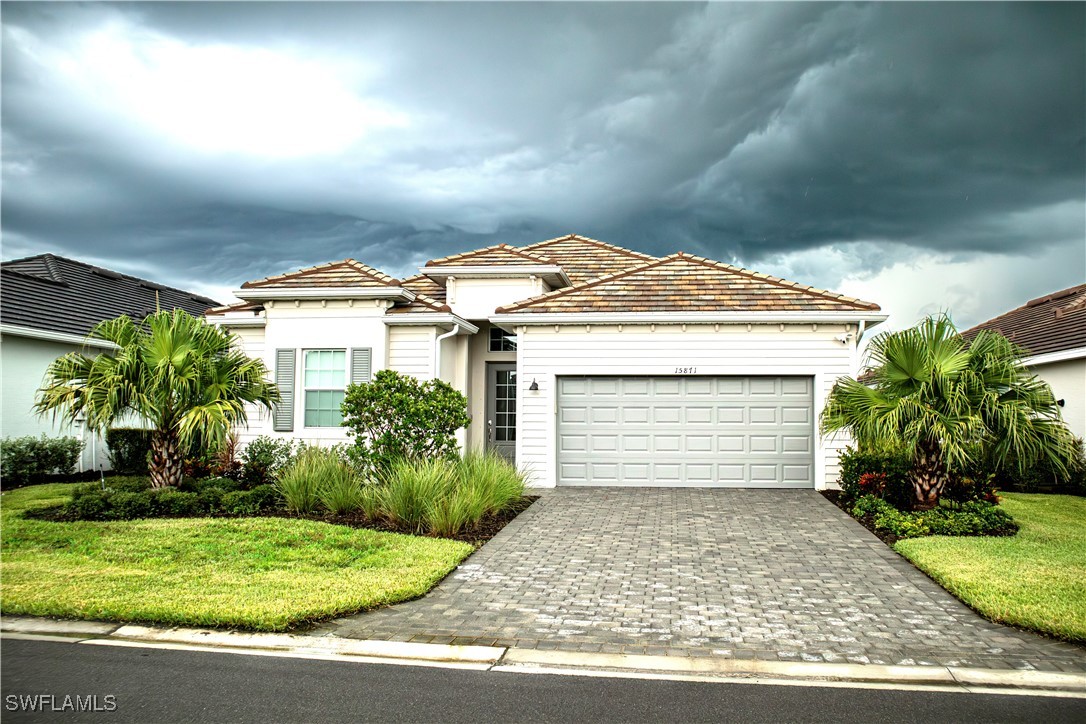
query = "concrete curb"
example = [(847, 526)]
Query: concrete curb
[(535, 660)]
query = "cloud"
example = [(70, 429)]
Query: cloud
[(212, 143)]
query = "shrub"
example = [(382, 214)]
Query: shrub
[(250, 502), (129, 449), (129, 506), (30, 459), (398, 417), (498, 483), (89, 507), (170, 502), (1039, 476), (264, 458), (891, 469), (225, 463), (971, 518), (314, 469)]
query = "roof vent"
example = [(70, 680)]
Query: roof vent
[(107, 273)]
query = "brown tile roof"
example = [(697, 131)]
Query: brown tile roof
[(345, 273), (497, 255), (422, 284), (685, 283), (584, 259), (239, 307), (1052, 323)]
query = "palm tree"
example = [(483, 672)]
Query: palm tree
[(174, 371), (950, 403)]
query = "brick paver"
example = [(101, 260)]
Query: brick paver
[(749, 574)]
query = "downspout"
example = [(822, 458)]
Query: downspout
[(437, 350)]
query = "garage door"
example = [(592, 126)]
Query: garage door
[(749, 432)]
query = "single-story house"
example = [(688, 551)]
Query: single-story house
[(1052, 330), (584, 362), (48, 305)]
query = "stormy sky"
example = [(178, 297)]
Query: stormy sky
[(923, 156)]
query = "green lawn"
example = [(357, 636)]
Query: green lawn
[(267, 574), (1034, 580)]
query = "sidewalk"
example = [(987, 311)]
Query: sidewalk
[(533, 660)]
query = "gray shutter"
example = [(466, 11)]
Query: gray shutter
[(283, 420), (360, 365)]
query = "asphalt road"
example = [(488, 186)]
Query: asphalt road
[(154, 685)]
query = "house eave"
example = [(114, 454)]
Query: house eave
[(553, 274), (51, 336), (1063, 355), (514, 319), (427, 319), (259, 294), (223, 320)]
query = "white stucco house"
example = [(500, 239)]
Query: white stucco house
[(1052, 329), (48, 305), (586, 363)]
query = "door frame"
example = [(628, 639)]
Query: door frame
[(492, 369)]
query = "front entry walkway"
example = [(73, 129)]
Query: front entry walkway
[(765, 574)]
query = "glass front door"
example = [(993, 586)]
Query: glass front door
[(501, 409)]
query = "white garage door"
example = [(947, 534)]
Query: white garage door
[(743, 432)]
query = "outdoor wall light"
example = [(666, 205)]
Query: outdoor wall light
[(534, 387), (1061, 403)]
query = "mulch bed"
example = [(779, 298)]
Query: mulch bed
[(487, 528), (835, 497)]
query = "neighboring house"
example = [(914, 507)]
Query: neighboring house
[(586, 363), (48, 304), (1052, 329)]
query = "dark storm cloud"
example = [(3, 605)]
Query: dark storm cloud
[(737, 131)]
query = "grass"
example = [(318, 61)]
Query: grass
[(267, 574), (1035, 580)]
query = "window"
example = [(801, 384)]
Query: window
[(502, 341), (325, 382)]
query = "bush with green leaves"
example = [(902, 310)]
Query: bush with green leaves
[(132, 498), (399, 417), (30, 459), (972, 518), (129, 450), (895, 465), (263, 459)]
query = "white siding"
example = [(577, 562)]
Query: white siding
[(23, 362), (1068, 382), (476, 299), (411, 351), (545, 354)]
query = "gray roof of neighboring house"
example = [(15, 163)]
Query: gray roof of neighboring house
[(57, 294), (1052, 323)]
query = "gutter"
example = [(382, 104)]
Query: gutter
[(437, 349), (63, 337), (512, 319)]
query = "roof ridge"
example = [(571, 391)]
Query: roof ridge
[(583, 285), (375, 274), (494, 247), (683, 256), (779, 281), (54, 259), (597, 242)]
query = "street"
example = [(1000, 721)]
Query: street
[(144, 685)]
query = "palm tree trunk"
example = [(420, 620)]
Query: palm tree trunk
[(929, 475), (166, 461)]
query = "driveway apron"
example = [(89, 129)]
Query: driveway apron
[(748, 574)]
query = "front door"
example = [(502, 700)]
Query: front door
[(501, 409)]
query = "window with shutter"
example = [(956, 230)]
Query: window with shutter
[(283, 416)]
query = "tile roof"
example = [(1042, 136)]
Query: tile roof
[(685, 283), (1052, 323), (345, 273), (429, 296), (57, 294), (422, 284), (584, 259), (497, 255)]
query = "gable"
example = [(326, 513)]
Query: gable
[(345, 273), (684, 283)]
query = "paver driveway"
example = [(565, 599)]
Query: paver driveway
[(768, 574)]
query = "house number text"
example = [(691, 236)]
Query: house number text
[(686, 370)]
